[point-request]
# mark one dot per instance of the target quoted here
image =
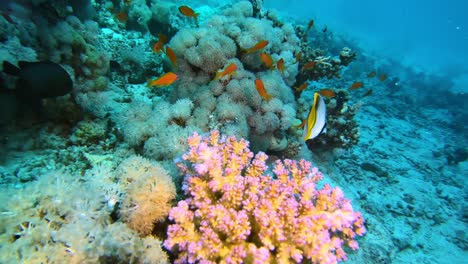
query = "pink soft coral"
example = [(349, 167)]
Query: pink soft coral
[(235, 213)]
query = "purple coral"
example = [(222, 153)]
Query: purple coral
[(237, 213)]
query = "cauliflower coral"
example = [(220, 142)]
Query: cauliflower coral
[(236, 213)]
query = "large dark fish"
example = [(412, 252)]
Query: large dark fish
[(38, 80)]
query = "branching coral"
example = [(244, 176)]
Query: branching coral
[(236, 213), (324, 66)]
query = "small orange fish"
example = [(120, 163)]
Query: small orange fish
[(383, 77), (302, 87), (280, 65), (158, 47), (369, 92), (165, 80), (170, 53), (188, 12), (372, 74), (261, 90), (356, 85), (311, 24), (327, 93), (7, 17), (260, 45), (298, 56), (122, 16), (309, 65), (127, 1), (162, 38), (266, 58), (229, 71)]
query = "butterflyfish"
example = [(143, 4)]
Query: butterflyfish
[(315, 123), (260, 45), (229, 71), (165, 80), (261, 90), (356, 85)]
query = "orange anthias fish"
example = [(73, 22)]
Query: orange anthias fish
[(188, 12), (298, 56), (372, 74), (327, 93), (260, 45), (310, 25), (280, 65), (162, 38), (261, 90), (170, 53), (266, 58), (165, 80), (302, 87), (383, 77), (122, 17), (368, 93), (356, 85), (158, 47), (309, 65), (229, 71)]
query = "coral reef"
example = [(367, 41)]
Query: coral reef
[(51, 221), (323, 65), (232, 104), (236, 213)]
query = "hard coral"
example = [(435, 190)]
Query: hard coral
[(235, 213)]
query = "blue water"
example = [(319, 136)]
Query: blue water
[(89, 176), (432, 35)]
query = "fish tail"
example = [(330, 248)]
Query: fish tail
[(9, 68)]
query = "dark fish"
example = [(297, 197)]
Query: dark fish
[(371, 74), (324, 29), (310, 25), (369, 92), (383, 77), (38, 80)]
